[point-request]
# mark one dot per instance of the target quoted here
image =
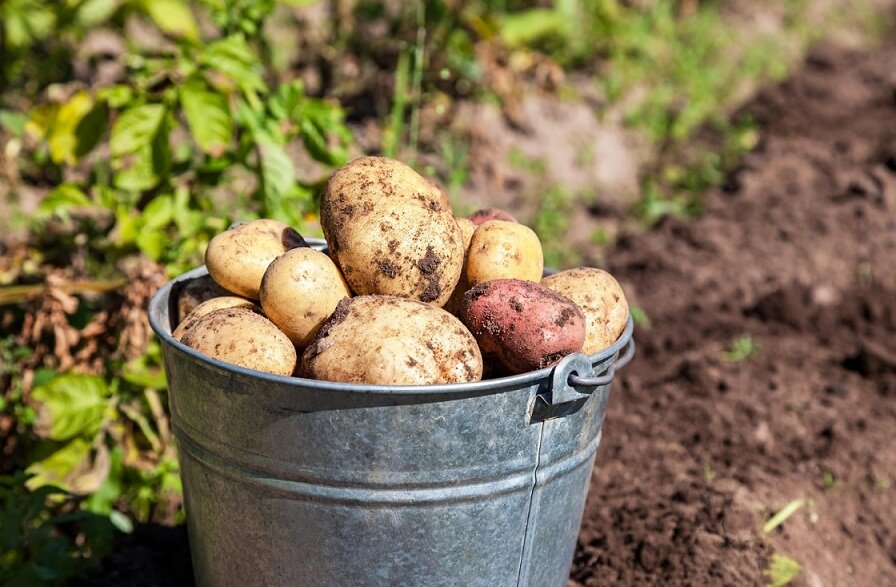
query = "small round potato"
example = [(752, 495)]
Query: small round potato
[(196, 291), (391, 232), (467, 229), (601, 299), (242, 337), (504, 250), (387, 340), (486, 214), (300, 290), (209, 306), (522, 325), (237, 258)]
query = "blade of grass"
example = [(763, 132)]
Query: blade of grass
[(782, 515)]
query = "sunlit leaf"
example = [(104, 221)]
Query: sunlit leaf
[(529, 26), (136, 128), (41, 119), (77, 128), (63, 197), (152, 243), (158, 213), (208, 116), (173, 17), (277, 177), (71, 405), (94, 12), (233, 57), (56, 468), (143, 169)]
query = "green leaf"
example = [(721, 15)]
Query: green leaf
[(277, 175), (135, 129), (152, 243), (233, 57), (77, 128), (41, 119), (188, 221), (12, 121), (54, 469), (208, 116), (117, 96), (782, 570), (94, 12), (73, 404), (173, 17), (63, 197), (144, 168), (158, 213), (529, 26)]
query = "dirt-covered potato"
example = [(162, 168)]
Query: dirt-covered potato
[(237, 258), (522, 325), (600, 298), (504, 250), (391, 232), (245, 338), (467, 228), (299, 290), (389, 340), (194, 292), (209, 306), (486, 214)]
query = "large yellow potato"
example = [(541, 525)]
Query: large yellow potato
[(392, 341), (391, 232), (601, 299), (504, 250), (237, 258), (242, 337), (300, 290), (209, 306)]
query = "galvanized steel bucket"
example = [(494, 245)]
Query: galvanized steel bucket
[(291, 481)]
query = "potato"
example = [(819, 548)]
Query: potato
[(504, 250), (389, 340), (300, 290), (522, 325), (467, 228), (209, 306), (194, 292), (486, 214), (237, 258), (391, 232), (600, 298), (242, 337)]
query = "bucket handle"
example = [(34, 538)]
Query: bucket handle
[(568, 384)]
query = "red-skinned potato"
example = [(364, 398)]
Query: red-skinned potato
[(522, 325), (486, 214)]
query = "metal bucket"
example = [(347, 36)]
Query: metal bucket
[(291, 481)]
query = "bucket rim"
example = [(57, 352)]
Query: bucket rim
[(486, 385)]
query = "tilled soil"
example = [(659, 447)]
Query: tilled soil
[(798, 252)]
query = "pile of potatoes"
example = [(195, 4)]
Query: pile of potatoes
[(407, 294)]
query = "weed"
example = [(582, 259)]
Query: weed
[(551, 226), (708, 473), (639, 316), (741, 349), (782, 570), (782, 515)]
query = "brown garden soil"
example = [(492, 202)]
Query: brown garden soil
[(797, 251)]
